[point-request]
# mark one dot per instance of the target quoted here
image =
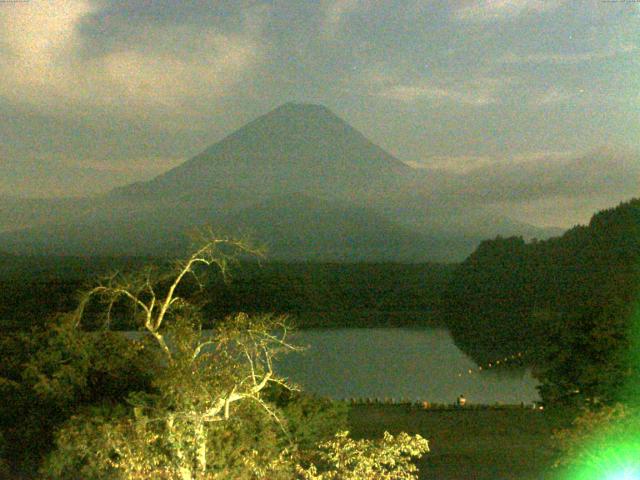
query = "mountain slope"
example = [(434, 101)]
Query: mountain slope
[(17, 213), (299, 227)]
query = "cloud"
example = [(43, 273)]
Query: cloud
[(335, 14), (553, 95), (411, 93), (569, 58), (214, 63), (52, 174), (35, 31), (465, 164), (175, 65), (39, 37), (537, 176), (459, 164), (552, 188), (489, 10), (474, 92)]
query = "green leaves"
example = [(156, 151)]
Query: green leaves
[(343, 458)]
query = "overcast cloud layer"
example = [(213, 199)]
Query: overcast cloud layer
[(517, 103)]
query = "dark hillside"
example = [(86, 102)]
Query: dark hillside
[(565, 301)]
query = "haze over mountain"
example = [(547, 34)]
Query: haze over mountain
[(298, 178)]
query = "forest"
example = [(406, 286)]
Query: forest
[(313, 294), (569, 303)]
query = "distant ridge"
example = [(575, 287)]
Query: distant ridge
[(300, 227)]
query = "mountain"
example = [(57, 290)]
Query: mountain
[(294, 148), (299, 177), (488, 224)]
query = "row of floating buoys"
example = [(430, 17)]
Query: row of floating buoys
[(494, 364)]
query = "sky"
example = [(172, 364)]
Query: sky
[(533, 104)]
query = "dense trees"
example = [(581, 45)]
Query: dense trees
[(47, 375), (331, 294), (567, 302), (313, 294), (488, 301)]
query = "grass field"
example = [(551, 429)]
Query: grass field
[(469, 444)]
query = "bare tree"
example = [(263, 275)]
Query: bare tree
[(200, 375)]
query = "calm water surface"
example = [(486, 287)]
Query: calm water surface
[(414, 364)]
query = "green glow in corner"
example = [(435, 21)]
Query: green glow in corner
[(608, 459), (613, 452), (626, 474)]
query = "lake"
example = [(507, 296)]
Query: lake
[(399, 363)]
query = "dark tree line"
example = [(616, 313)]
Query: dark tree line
[(567, 303), (315, 294)]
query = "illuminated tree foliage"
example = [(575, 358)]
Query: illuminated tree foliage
[(175, 402), (47, 375), (390, 458)]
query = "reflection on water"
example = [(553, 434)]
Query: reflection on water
[(413, 364)]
